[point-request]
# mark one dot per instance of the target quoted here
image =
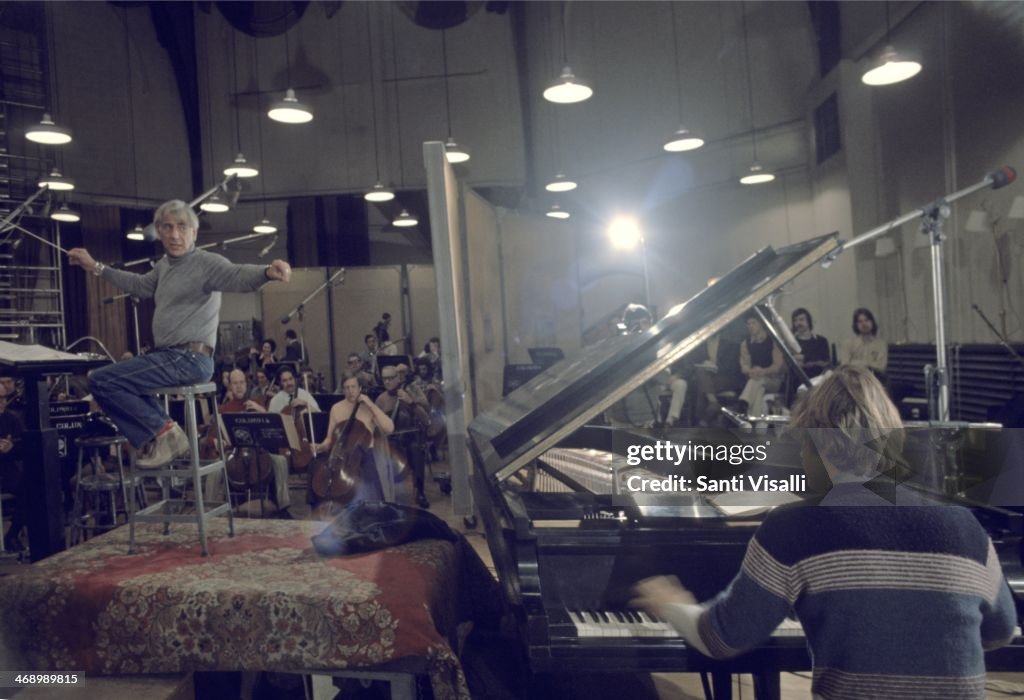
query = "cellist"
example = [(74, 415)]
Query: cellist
[(237, 402), (373, 419)]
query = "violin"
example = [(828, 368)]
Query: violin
[(337, 476)]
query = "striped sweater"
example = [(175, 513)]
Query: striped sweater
[(896, 601)]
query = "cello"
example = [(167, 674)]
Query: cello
[(336, 478)]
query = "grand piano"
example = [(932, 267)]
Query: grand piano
[(569, 540)]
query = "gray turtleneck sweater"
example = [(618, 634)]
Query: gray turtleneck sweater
[(187, 292)]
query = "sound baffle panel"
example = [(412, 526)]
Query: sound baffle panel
[(358, 304)]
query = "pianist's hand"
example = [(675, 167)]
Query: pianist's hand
[(653, 595)]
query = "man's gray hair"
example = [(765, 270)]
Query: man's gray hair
[(176, 209)]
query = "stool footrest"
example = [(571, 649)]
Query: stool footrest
[(182, 470), (161, 511)]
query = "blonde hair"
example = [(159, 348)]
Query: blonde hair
[(852, 424)]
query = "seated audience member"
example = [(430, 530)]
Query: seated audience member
[(865, 348), (761, 363), (292, 347), (897, 601), (359, 405), (12, 477), (716, 370), (815, 353), (641, 408), (238, 401), (409, 410)]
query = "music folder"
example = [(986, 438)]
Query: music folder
[(267, 430)]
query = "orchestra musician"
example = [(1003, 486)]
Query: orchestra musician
[(186, 284), (238, 401), (12, 475), (898, 600), (410, 411), (358, 405)]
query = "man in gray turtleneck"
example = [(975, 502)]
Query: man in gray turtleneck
[(186, 285)]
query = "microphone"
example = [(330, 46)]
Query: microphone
[(108, 300), (1001, 177), (286, 318), (743, 424)]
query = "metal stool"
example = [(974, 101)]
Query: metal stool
[(100, 483), (189, 469)]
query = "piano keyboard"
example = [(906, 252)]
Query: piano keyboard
[(593, 624)]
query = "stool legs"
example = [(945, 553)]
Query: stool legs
[(192, 469)]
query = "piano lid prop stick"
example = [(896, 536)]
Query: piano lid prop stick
[(38, 238)]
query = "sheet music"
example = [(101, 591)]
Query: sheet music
[(14, 352)]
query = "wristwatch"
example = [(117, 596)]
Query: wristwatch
[(98, 270)]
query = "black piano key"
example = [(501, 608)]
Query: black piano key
[(603, 616)]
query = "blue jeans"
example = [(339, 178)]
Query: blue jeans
[(123, 389)]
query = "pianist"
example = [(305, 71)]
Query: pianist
[(186, 285), (896, 601)]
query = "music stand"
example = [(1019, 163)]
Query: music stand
[(515, 376), (268, 431), (545, 357)]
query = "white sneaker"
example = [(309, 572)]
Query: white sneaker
[(168, 446)]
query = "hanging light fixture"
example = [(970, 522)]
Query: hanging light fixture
[(405, 220), (264, 226), (48, 133), (289, 110), (377, 193), (214, 204), (561, 183), (757, 175), (65, 214), (890, 68), (57, 182), (683, 139), (452, 151), (568, 89), (556, 212), (138, 232), (240, 167)]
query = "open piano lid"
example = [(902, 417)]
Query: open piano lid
[(555, 403)]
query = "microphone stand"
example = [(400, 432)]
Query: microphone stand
[(135, 315), (312, 295), (933, 216)]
